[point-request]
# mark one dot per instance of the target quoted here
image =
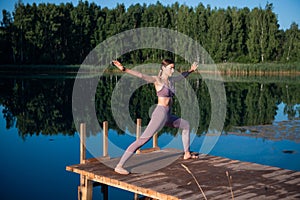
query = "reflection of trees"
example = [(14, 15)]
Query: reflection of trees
[(290, 95), (38, 106), (254, 103), (43, 106), (262, 100), (251, 103)]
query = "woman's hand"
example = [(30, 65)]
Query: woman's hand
[(118, 65), (194, 66)]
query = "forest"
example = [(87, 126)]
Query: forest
[(64, 34)]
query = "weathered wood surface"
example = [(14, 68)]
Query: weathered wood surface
[(249, 180)]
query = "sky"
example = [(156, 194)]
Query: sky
[(287, 11)]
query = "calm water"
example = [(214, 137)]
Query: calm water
[(38, 138)]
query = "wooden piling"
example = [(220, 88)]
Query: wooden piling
[(82, 133), (155, 144), (104, 190), (85, 190), (105, 139), (104, 187), (138, 131)]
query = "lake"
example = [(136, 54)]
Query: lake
[(38, 138)]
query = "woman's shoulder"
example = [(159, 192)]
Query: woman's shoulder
[(158, 82), (157, 79)]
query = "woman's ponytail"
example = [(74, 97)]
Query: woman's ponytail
[(160, 73)]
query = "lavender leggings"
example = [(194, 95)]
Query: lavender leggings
[(161, 117)]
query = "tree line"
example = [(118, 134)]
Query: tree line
[(65, 34)]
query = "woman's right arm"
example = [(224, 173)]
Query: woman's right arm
[(150, 79)]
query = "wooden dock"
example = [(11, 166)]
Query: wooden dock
[(164, 174), (249, 180)]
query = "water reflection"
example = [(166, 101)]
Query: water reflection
[(43, 106), (37, 106)]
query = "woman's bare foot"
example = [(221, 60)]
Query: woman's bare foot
[(119, 169), (190, 155)]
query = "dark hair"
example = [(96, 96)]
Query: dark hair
[(166, 62)]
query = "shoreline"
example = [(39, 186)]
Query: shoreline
[(227, 69)]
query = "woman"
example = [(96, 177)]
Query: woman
[(161, 116)]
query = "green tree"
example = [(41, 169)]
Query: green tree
[(238, 49), (5, 38), (292, 43), (201, 24), (272, 34), (18, 42), (263, 32), (254, 35), (219, 35), (81, 31)]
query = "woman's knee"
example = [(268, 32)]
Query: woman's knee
[(181, 123), (141, 141), (184, 124)]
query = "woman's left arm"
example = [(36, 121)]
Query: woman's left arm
[(150, 79), (194, 66)]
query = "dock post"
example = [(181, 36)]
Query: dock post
[(105, 139), (87, 190), (82, 133), (136, 196), (155, 144), (86, 185), (138, 131), (104, 190), (82, 143)]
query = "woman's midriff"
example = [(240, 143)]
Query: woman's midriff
[(165, 101)]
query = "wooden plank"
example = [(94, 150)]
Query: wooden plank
[(146, 177), (121, 184), (152, 182), (149, 150), (293, 181)]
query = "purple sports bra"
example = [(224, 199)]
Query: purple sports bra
[(165, 92)]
